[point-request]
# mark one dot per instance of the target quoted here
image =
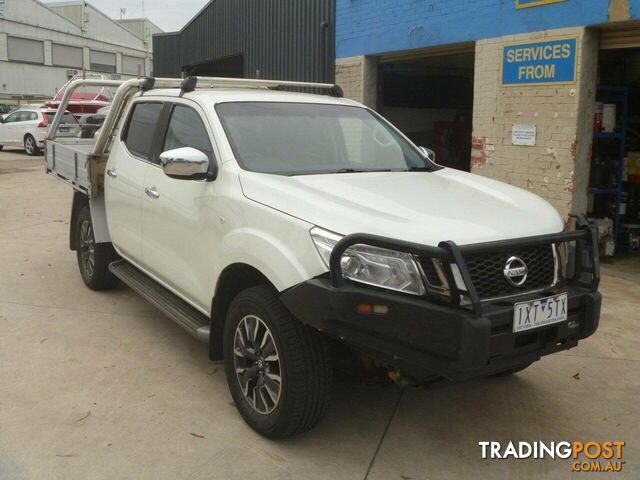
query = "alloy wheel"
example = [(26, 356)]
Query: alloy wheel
[(257, 364), (29, 145), (87, 247)]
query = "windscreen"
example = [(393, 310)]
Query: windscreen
[(67, 118), (304, 138)]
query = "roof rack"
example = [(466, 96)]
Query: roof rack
[(189, 84), (125, 88)]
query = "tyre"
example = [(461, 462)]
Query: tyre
[(93, 258), (1, 147), (30, 146), (511, 371), (278, 370)]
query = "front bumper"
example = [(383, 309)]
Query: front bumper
[(464, 337), (425, 339)]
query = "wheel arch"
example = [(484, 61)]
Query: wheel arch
[(79, 201), (98, 218), (232, 280)]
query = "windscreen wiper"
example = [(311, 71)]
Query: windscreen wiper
[(353, 170), (419, 169)]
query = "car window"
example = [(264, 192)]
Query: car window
[(299, 139), (67, 118), (186, 129), (13, 117), (141, 127), (31, 116)]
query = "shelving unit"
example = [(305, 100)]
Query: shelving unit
[(619, 96)]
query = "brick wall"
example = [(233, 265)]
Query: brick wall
[(358, 78), (349, 75), (557, 168)]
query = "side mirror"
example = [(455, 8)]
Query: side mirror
[(185, 163), (428, 153)]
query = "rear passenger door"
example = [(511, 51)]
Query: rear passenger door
[(130, 157), (180, 218)]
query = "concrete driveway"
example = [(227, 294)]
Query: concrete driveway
[(102, 386)]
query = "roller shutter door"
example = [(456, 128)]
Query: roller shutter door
[(626, 35), (468, 47), (103, 61), (25, 50), (131, 64), (66, 56)]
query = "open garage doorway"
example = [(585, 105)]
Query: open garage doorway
[(430, 98), (220, 67)]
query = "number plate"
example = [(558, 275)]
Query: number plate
[(64, 129), (538, 313)]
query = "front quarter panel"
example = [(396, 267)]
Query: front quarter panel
[(276, 244)]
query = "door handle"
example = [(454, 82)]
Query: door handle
[(151, 192), (112, 173)]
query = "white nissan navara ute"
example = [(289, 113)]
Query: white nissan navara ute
[(276, 225)]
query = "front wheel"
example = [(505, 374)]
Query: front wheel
[(30, 146), (278, 370), (93, 258)]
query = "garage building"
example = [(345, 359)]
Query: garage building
[(509, 90), (43, 45)]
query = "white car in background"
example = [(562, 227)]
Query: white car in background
[(27, 128)]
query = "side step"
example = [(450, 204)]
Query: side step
[(192, 320)]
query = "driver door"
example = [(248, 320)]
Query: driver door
[(180, 219)]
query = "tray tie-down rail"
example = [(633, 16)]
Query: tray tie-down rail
[(586, 270)]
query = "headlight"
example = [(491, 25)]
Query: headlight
[(375, 266)]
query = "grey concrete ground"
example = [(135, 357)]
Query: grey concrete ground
[(101, 386)]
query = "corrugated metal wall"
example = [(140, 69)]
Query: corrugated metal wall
[(282, 39), (167, 58)]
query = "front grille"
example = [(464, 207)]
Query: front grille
[(430, 272), (487, 271)]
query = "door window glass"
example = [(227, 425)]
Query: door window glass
[(142, 126), (11, 118), (186, 129)]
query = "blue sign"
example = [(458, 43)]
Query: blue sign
[(552, 62)]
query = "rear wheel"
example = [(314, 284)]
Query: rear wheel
[(278, 370), (30, 146), (1, 147), (93, 258)]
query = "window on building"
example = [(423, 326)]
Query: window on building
[(142, 126), (103, 61), (66, 56), (186, 129), (132, 65), (25, 50)]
